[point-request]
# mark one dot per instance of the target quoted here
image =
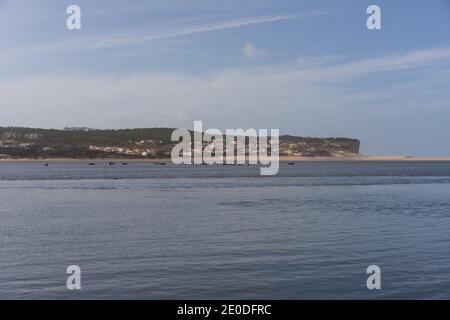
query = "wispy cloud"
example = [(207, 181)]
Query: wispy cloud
[(409, 60), (195, 29), (309, 62), (142, 99), (364, 67), (175, 29), (250, 51)]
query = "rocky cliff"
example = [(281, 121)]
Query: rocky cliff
[(318, 147)]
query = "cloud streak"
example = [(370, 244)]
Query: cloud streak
[(322, 69), (196, 29), (10, 55)]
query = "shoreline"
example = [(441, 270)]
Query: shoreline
[(282, 159)]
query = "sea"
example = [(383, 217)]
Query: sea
[(151, 231)]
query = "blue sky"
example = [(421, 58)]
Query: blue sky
[(309, 68)]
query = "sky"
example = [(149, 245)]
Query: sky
[(308, 68)]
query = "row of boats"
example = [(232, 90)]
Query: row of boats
[(164, 163)]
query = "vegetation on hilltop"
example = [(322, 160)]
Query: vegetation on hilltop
[(18, 142)]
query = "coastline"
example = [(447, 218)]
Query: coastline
[(282, 159)]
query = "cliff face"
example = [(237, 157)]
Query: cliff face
[(318, 147), (138, 143)]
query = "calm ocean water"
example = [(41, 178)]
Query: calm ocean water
[(223, 232)]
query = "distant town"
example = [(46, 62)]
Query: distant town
[(150, 143)]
